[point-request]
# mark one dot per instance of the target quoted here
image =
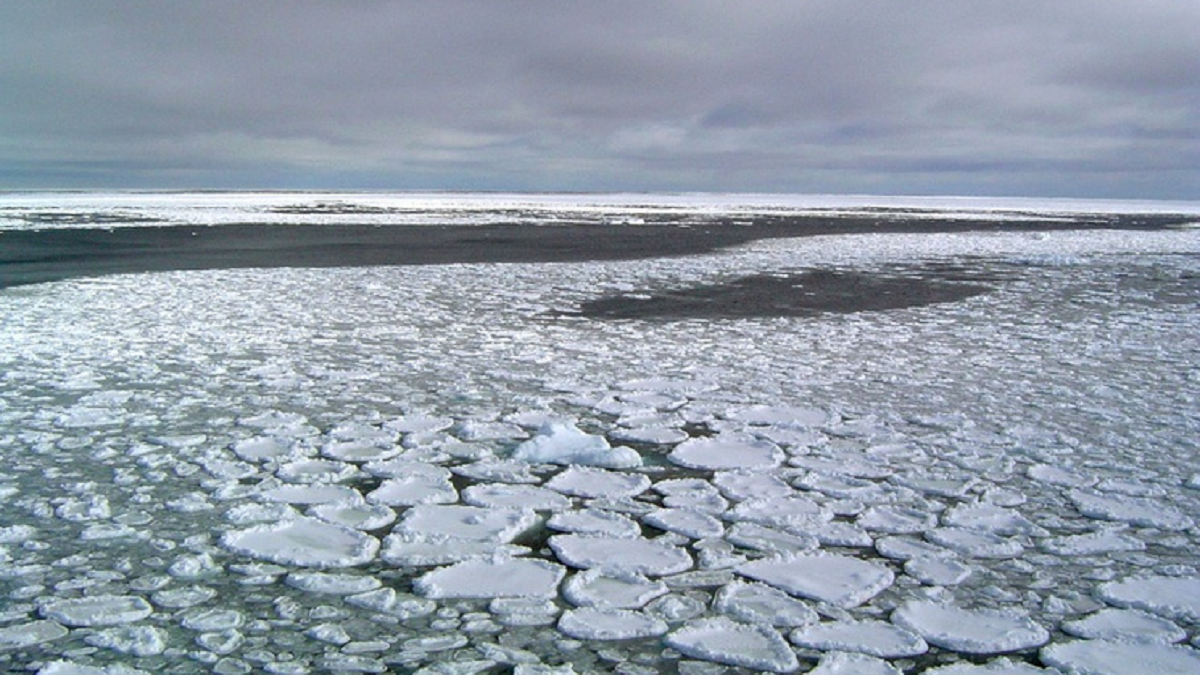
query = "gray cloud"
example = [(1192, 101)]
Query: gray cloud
[(1074, 97)]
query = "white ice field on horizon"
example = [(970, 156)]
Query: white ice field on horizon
[(358, 469)]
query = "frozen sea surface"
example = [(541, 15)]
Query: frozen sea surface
[(311, 470)]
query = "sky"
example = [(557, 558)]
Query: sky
[(1053, 98)]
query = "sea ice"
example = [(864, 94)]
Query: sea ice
[(315, 471), (563, 443), (466, 522), (1104, 657), (937, 570), (502, 578), (309, 495), (423, 549), (331, 583), (592, 482), (1141, 512), (743, 485), (1000, 666), (596, 522), (355, 516), (727, 452), (24, 635), (975, 544), (781, 512), (1125, 625), (760, 603), (723, 640), (876, 638), (687, 522), (498, 471), (781, 416), (634, 555), (971, 631), (413, 490), (1175, 597), (388, 601), (515, 496), (596, 623), (990, 518), (1092, 543), (769, 539), (850, 663), (135, 640), (838, 580), (600, 588), (96, 610), (304, 541), (61, 667)]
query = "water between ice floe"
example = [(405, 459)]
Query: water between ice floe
[(311, 470)]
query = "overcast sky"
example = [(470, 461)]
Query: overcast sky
[(1086, 98)]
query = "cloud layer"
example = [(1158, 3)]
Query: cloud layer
[(1072, 97)]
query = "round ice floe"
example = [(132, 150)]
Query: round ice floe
[(593, 482), (388, 601), (842, 487), (940, 486), (599, 588), (304, 541), (419, 423), (135, 640), (594, 521), (780, 511), (1092, 543), (975, 544), (688, 522), (907, 548), (594, 623), (1126, 625), (835, 579), (331, 584), (355, 516), (1175, 597), (96, 610), (621, 555), (877, 638), (515, 496), (1141, 512), (477, 430), (769, 539), (467, 522), (937, 570), (563, 443), (315, 471), (850, 663), (498, 471), (407, 468), (990, 518), (1103, 657), (1057, 475), (691, 493), (896, 520), (742, 485), (424, 549), (311, 494), (503, 578), (61, 667), (1000, 666), (360, 452), (650, 435), (262, 448), (183, 597), (970, 631), (23, 635), (786, 416), (727, 452), (760, 603), (834, 534), (412, 490), (725, 641)]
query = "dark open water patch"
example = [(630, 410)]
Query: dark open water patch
[(802, 294)]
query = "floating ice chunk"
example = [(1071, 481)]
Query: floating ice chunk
[(17, 534), (742, 485), (722, 640), (835, 534), (971, 631), (650, 435), (1103, 657), (360, 452), (727, 452), (599, 588), (937, 570), (388, 601), (498, 471), (515, 496), (511, 578), (24, 635), (96, 610), (1175, 597), (849, 663), (835, 579), (467, 522), (595, 521), (70, 668), (906, 548), (424, 549), (355, 516), (135, 640), (315, 471), (760, 603), (1000, 666), (475, 430), (212, 619), (780, 512), (1092, 543), (332, 584), (182, 598), (1125, 625), (407, 468), (877, 638), (594, 482), (1057, 475), (304, 541), (419, 423), (769, 539), (691, 493), (896, 520), (412, 490), (975, 544), (311, 494), (596, 623), (524, 611), (633, 555), (1137, 511), (688, 522), (842, 487), (329, 633), (563, 443), (245, 514), (990, 518), (781, 416), (262, 449), (940, 486)]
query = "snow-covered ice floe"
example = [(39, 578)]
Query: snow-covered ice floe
[(445, 469)]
